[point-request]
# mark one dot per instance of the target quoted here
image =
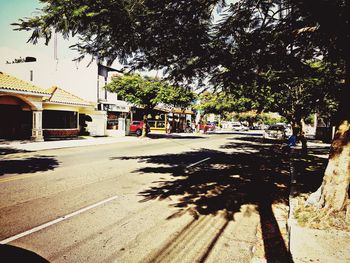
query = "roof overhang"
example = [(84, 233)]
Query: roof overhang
[(25, 92), (68, 104)]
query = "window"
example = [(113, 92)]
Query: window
[(112, 120), (53, 119)]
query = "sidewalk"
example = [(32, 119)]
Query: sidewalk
[(27, 145), (303, 243), (307, 244)]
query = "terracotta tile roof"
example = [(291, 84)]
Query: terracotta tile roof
[(64, 97), (14, 84)]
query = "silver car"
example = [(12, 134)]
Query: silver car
[(275, 132), (236, 126)]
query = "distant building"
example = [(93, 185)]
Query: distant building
[(84, 81), (31, 112)]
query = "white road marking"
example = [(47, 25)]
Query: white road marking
[(201, 161), (35, 229)]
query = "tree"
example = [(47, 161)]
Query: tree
[(317, 90), (147, 92), (238, 50), (329, 29)]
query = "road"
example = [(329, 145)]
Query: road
[(153, 200)]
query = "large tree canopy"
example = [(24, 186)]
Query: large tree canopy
[(148, 92), (239, 50)]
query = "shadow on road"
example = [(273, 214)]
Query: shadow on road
[(224, 183), (9, 150), (173, 136), (309, 169), (28, 165), (17, 254)]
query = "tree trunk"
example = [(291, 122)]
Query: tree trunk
[(144, 127), (295, 128), (173, 128), (298, 127), (336, 180), (303, 137)]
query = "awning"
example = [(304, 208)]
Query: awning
[(119, 105)]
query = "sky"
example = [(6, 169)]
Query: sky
[(14, 42), (74, 77), (65, 73)]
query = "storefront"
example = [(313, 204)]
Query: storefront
[(180, 119), (30, 112), (163, 116), (21, 109), (16, 120), (117, 112)]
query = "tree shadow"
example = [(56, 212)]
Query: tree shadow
[(28, 165), (256, 139), (9, 150), (309, 169), (243, 133), (17, 254), (318, 150), (173, 136), (224, 183)]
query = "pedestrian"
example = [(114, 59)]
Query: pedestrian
[(292, 140), (168, 127)]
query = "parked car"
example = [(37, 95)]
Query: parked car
[(136, 128), (259, 127), (207, 127), (276, 132), (237, 126)]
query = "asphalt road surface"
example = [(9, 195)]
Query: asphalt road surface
[(153, 200)]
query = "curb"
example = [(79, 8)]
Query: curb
[(291, 222), (50, 145)]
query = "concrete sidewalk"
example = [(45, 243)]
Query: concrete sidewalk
[(27, 145), (307, 244)]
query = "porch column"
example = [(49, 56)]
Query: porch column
[(78, 126), (37, 131)]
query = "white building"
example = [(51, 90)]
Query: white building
[(79, 78)]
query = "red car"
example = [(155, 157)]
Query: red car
[(136, 128), (207, 127)]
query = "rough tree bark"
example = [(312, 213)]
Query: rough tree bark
[(144, 126), (336, 180), (333, 192), (298, 127)]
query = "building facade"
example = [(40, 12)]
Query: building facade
[(30, 112)]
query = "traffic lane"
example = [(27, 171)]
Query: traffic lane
[(102, 234), (146, 147), (123, 147), (47, 197), (42, 199), (41, 161), (134, 229), (84, 166)]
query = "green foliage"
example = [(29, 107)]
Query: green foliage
[(137, 90), (147, 92), (258, 118), (223, 102), (269, 119), (176, 96), (259, 52)]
